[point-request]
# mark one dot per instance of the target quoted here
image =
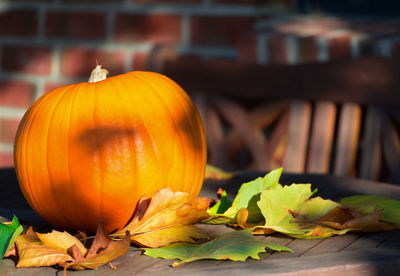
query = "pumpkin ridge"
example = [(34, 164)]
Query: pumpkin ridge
[(28, 121), (101, 161), (198, 142), (31, 186), (60, 99), (133, 154), (174, 123), (183, 105), (74, 95)]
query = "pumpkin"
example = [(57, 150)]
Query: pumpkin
[(90, 151)]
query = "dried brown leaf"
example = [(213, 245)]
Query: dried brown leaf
[(103, 251), (345, 218)]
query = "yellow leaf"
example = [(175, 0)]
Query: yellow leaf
[(32, 254), (61, 240), (167, 209), (181, 233)]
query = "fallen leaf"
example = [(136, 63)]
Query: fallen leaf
[(8, 233), (345, 218), (61, 240), (235, 246), (247, 197), (33, 254), (289, 210), (222, 205), (368, 204), (102, 251), (165, 219)]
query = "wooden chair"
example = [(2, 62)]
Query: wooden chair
[(338, 118)]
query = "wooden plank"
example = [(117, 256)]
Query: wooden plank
[(391, 148), (347, 140), (132, 263), (368, 240), (266, 113), (332, 244), (299, 125), (370, 262), (323, 126), (363, 80), (277, 141), (217, 153), (253, 138), (392, 242), (299, 247), (371, 154)]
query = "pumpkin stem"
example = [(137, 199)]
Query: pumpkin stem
[(98, 74)]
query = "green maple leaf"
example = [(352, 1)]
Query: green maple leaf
[(289, 210), (247, 197), (235, 246), (222, 205), (368, 204), (8, 234)]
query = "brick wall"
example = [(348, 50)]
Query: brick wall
[(48, 43)]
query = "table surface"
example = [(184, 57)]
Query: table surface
[(349, 254)]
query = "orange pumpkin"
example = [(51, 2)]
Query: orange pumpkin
[(90, 150)]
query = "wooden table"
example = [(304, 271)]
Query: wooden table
[(350, 254)]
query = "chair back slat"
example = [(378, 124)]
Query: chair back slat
[(371, 154), (298, 132), (347, 140), (321, 141), (391, 147)]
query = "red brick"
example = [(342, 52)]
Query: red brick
[(78, 62), (72, 25), (93, 1), (277, 49), (226, 30), (141, 61), (15, 93), (52, 85), (339, 47), (247, 49), (156, 28), (6, 159), (8, 129), (24, 59), (308, 49), (18, 23), (286, 3), (168, 1)]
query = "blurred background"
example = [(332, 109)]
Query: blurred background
[(311, 85)]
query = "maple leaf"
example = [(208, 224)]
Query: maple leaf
[(368, 204), (166, 218), (61, 240), (236, 246), (61, 248), (289, 210), (345, 218), (102, 251), (8, 233), (247, 197)]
